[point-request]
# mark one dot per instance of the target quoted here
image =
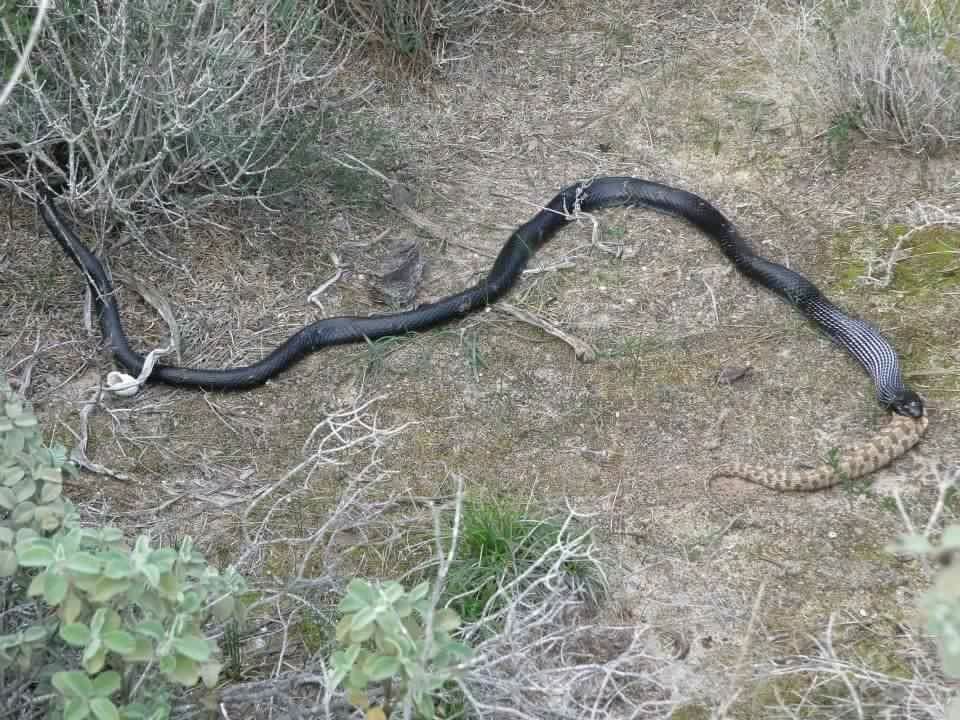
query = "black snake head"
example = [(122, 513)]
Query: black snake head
[(907, 403)]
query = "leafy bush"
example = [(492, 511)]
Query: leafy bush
[(31, 478), (941, 603), (891, 67), (394, 636), (129, 614), (168, 105)]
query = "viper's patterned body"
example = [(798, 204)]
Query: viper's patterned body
[(862, 341), (892, 441)]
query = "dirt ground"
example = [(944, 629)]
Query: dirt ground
[(677, 92)]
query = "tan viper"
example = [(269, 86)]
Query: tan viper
[(891, 442)]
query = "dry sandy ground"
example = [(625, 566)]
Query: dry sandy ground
[(656, 90)]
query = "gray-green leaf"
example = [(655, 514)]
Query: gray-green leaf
[(71, 607), (117, 566), (76, 634), (50, 492), (419, 592), (186, 672), (8, 563), (76, 709), (7, 499), (210, 673), (83, 563), (911, 544), (193, 647), (93, 661), (107, 683), (357, 679), (119, 641), (360, 594), (54, 588), (342, 661), (446, 620), (23, 513), (381, 667), (152, 574), (25, 421), (25, 490), (103, 709), (11, 476), (151, 628), (73, 683), (111, 534), (105, 588), (364, 617), (36, 553), (34, 634)]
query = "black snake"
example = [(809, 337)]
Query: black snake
[(864, 342)]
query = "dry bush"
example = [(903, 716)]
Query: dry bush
[(890, 68), (168, 105), (417, 35), (540, 650)]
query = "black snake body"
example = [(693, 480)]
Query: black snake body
[(864, 342)]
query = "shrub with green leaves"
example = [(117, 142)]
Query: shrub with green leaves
[(100, 619), (941, 603), (31, 478), (385, 639)]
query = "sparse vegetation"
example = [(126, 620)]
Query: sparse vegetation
[(539, 612), (473, 353), (888, 68), (855, 671), (940, 604), (111, 629)]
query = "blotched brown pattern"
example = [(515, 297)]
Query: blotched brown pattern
[(893, 440)]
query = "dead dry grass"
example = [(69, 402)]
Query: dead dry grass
[(888, 69), (651, 89)]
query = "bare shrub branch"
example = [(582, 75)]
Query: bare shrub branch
[(891, 69), (24, 52), (171, 105)]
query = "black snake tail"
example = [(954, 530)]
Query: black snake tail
[(861, 340)]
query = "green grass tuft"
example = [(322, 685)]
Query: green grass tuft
[(498, 544)]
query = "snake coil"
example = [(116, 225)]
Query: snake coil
[(861, 340)]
